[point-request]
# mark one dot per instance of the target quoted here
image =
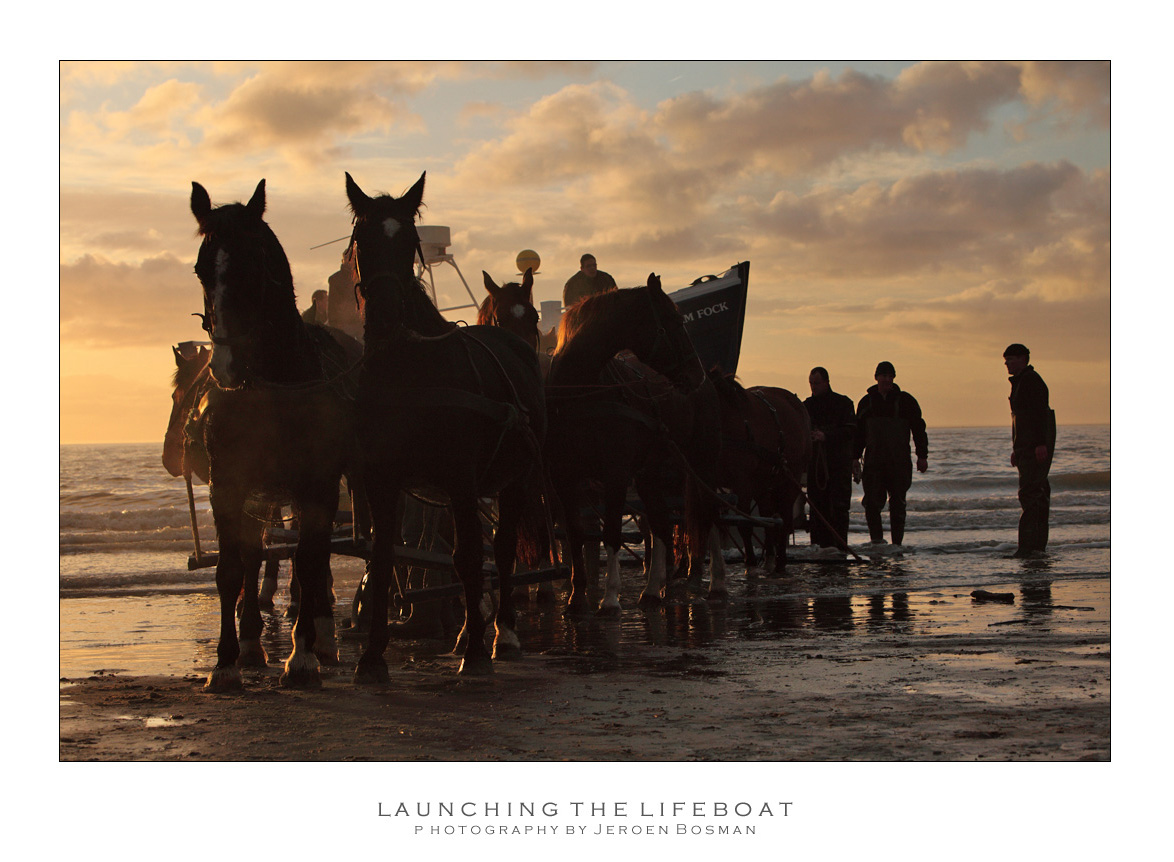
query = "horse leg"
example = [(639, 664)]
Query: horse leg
[(658, 529), (227, 511), (577, 602), (783, 534), (467, 560), (381, 497), (506, 644), (252, 654), (613, 511), (717, 567), (272, 567), (313, 631)]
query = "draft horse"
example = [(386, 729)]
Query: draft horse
[(643, 418), (279, 426), (511, 306), (450, 414), (766, 444)]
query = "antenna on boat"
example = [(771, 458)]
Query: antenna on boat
[(434, 242)]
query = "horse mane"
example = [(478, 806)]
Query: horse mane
[(728, 388), (488, 307), (589, 310), (420, 314), (185, 373)]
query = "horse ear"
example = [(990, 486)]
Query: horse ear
[(490, 285), (415, 195), (256, 205), (528, 284), (201, 203), (355, 195), (654, 282), (178, 356)]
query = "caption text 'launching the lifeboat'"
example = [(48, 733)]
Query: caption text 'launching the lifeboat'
[(583, 818)]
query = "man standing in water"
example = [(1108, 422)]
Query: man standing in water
[(829, 475), (1033, 442), (588, 281), (886, 418)]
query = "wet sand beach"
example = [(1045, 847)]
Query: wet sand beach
[(924, 674)]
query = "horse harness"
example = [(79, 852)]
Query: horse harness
[(775, 459)]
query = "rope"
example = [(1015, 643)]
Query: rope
[(757, 521)]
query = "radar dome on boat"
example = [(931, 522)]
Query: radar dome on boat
[(528, 259)]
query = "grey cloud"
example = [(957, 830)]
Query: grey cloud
[(106, 304)]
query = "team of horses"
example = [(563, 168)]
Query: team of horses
[(453, 415)]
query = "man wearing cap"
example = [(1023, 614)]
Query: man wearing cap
[(829, 475), (1033, 442), (588, 281), (886, 418)]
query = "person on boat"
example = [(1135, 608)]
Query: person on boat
[(588, 281), (886, 418), (829, 474), (319, 309), (1033, 442)]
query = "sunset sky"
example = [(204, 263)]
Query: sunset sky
[(924, 213)]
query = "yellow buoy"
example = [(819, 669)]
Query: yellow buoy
[(528, 259)]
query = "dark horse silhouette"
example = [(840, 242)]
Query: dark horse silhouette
[(766, 444), (453, 414), (511, 306), (645, 418), (279, 426)]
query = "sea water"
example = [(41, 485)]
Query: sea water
[(126, 536)]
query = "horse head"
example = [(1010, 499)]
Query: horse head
[(246, 280), (662, 341), (189, 381), (511, 307)]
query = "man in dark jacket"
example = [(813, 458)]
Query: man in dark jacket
[(1033, 442), (829, 475), (886, 417)]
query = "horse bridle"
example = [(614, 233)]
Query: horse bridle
[(207, 319), (682, 357), (360, 283)]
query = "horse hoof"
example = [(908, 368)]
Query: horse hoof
[(415, 628), (328, 657), (546, 596), (507, 652), (223, 679), (252, 655), (301, 678), (371, 673), (576, 608), (479, 666), (607, 610), (650, 600), (718, 596), (693, 582)]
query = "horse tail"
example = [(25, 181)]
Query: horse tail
[(534, 528), (701, 504), (533, 538), (694, 515)]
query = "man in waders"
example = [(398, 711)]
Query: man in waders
[(886, 418), (829, 475), (1033, 442)]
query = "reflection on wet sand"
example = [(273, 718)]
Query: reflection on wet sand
[(820, 598)]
